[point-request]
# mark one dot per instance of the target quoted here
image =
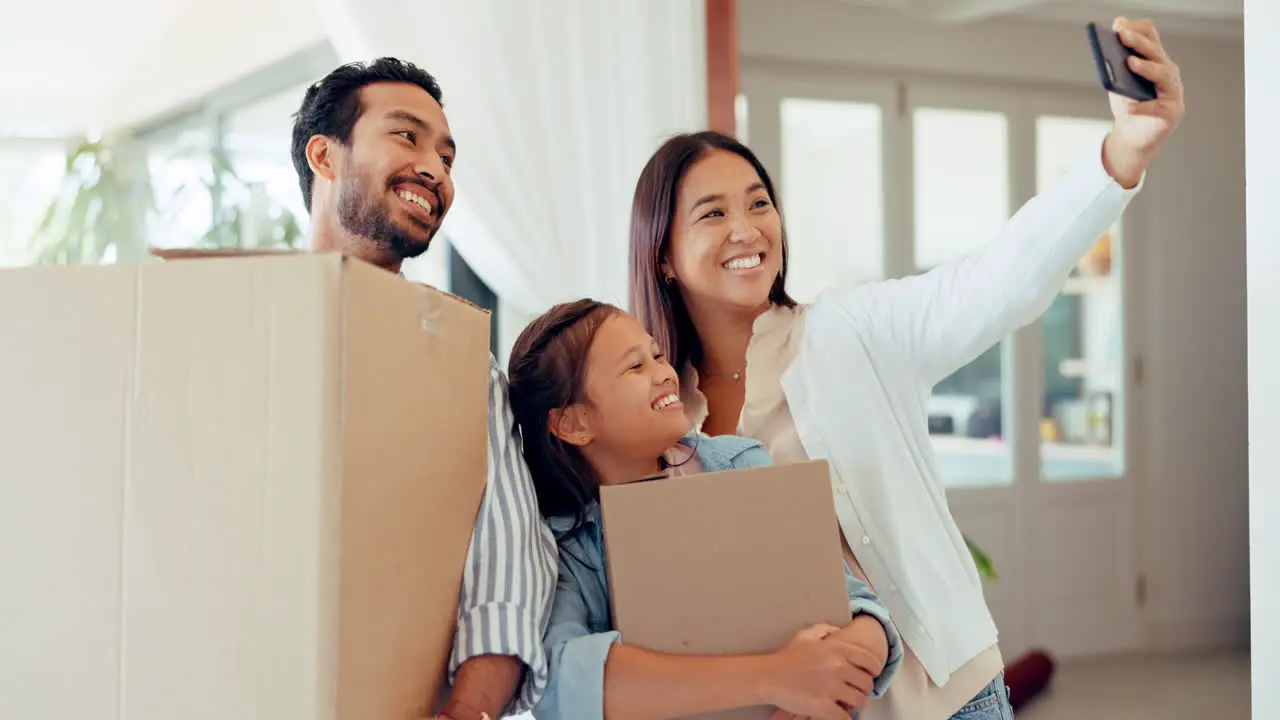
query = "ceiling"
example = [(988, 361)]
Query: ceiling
[(1222, 18), (130, 60), (76, 65)]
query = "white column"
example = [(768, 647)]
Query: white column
[(1262, 177)]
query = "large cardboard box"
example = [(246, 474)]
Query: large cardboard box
[(233, 488), (729, 562)]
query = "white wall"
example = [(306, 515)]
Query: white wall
[(1191, 217), (1262, 56)]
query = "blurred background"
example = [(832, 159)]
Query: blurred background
[(1097, 458)]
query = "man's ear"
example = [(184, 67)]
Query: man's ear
[(570, 425), (321, 155)]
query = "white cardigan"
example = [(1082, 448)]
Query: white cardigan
[(857, 389)]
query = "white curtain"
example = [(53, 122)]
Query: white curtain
[(556, 106)]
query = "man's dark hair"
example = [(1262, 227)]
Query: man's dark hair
[(332, 106)]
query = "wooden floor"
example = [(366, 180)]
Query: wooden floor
[(1202, 686)]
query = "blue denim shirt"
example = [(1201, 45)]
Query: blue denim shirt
[(580, 633)]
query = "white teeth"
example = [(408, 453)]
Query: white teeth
[(743, 263), (665, 401), (416, 199)]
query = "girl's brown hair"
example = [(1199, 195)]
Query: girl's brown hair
[(546, 372), (656, 302)]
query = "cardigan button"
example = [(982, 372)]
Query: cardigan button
[(866, 540)]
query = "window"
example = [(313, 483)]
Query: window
[(264, 188), (961, 198), (30, 179), (834, 195), (182, 180), (1083, 330), (740, 118), (961, 182), (221, 167)]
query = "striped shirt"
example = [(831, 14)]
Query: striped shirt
[(510, 573)]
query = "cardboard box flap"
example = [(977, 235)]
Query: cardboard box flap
[(192, 253), (226, 253)]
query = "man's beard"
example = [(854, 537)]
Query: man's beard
[(366, 215)]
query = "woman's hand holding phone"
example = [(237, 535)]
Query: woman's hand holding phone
[(1141, 127)]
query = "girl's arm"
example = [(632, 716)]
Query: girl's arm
[(576, 654), (819, 679), (873, 630), (643, 684), (938, 321), (593, 675)]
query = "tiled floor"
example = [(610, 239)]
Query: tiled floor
[(1204, 686)]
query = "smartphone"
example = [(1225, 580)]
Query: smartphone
[(1112, 58)]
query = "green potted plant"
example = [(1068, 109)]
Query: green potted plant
[(107, 199)]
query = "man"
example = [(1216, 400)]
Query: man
[(373, 153)]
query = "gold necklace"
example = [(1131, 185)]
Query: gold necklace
[(736, 375)]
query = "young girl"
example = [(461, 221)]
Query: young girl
[(597, 404)]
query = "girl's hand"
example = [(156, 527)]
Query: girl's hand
[(813, 633), (867, 633), (818, 675)]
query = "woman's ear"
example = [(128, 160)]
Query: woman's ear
[(668, 274), (570, 425)]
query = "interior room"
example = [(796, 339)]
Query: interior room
[(1097, 460)]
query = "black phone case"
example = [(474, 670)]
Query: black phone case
[(1112, 58)]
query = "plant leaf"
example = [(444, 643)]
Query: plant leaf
[(980, 559)]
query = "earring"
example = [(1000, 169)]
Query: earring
[(670, 279)]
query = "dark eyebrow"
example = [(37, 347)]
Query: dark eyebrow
[(420, 124), (716, 197)]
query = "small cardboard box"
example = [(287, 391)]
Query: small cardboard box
[(234, 488), (725, 563)]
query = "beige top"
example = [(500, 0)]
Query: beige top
[(767, 418)]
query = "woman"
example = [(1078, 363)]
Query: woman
[(847, 378)]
